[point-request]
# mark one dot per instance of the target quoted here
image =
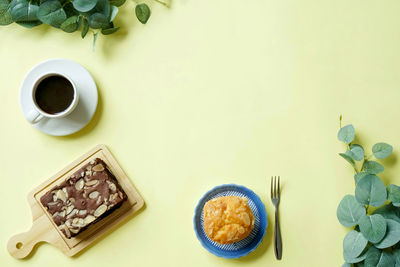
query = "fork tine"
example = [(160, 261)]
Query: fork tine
[(279, 187), (272, 187)]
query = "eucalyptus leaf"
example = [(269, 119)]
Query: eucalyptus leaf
[(51, 12), (392, 235), (353, 244), (114, 12), (350, 211), (70, 11), (84, 5), (109, 30), (350, 154), (346, 134), (80, 18), (370, 190), (373, 167), (143, 13), (103, 7), (382, 150), (70, 25), (373, 227), (4, 4), (357, 152), (358, 176), (348, 159), (23, 11), (29, 24), (98, 21), (85, 27), (5, 15), (346, 264), (5, 18), (396, 255), (357, 259), (394, 194), (378, 258), (389, 212), (117, 3)]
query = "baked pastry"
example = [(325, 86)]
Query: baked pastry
[(85, 197), (228, 219)]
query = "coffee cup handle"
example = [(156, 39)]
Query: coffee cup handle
[(33, 116)]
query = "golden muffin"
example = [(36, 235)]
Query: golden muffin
[(228, 219)]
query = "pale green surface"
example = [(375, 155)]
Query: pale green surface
[(210, 92)]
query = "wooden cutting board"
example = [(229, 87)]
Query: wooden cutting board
[(45, 230)]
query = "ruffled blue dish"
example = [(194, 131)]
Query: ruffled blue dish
[(245, 246)]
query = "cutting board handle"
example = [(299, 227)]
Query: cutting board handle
[(21, 245)]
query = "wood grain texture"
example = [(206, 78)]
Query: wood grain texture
[(44, 229)]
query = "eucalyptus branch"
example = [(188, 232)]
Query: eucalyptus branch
[(68, 16), (376, 233)]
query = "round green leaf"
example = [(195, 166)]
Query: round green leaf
[(23, 11), (346, 264), (371, 191), (353, 244), (373, 167), (70, 10), (117, 3), (98, 21), (396, 255), (142, 13), (382, 150), (378, 258), (389, 212), (70, 25), (29, 24), (358, 259), (350, 154), (346, 134), (358, 176), (392, 235), (85, 27), (347, 158), (5, 15), (394, 194), (349, 211), (103, 7), (5, 18), (52, 13), (4, 4), (357, 152), (109, 31), (373, 227), (84, 5)]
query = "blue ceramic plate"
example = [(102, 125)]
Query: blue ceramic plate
[(245, 246)]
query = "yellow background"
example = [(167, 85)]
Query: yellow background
[(212, 92)]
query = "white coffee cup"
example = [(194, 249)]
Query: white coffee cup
[(37, 114)]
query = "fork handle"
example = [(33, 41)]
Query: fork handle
[(277, 238)]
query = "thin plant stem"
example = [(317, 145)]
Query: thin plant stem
[(162, 3)]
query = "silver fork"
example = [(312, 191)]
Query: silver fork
[(275, 197)]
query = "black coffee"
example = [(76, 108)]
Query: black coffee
[(54, 94)]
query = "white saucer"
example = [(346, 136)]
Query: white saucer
[(86, 87)]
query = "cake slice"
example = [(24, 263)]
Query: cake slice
[(84, 198)]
